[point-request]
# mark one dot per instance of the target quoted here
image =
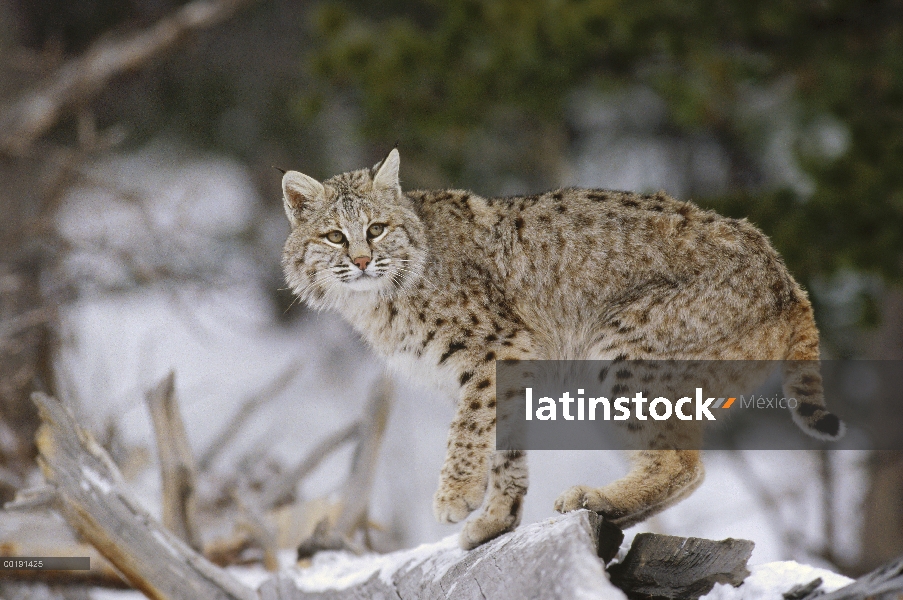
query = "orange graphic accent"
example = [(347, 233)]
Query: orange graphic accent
[(728, 403)]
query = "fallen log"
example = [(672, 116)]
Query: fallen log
[(553, 559)]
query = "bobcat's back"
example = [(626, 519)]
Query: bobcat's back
[(589, 271)]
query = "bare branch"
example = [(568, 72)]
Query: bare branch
[(245, 412), (15, 325), (80, 79), (32, 498), (284, 486), (258, 528), (25, 320), (356, 495), (177, 467)]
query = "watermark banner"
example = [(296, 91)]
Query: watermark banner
[(694, 405), (45, 563)]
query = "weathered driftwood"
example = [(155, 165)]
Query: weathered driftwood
[(95, 501), (884, 583), (32, 498), (803, 590), (661, 567), (323, 539), (177, 466), (259, 530), (555, 559)]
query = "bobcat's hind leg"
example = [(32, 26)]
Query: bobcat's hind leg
[(658, 479), (504, 501)]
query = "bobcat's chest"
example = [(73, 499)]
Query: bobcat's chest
[(421, 371), (410, 345)]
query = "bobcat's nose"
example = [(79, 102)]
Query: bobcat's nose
[(361, 262)]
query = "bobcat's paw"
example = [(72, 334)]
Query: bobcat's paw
[(454, 500), (484, 528), (583, 496)]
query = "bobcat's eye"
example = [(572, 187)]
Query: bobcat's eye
[(376, 230), (336, 237)]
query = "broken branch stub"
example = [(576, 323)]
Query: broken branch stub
[(666, 567), (282, 487), (177, 466)]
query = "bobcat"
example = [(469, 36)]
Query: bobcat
[(444, 283)]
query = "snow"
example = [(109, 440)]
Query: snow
[(251, 576), (769, 581), (157, 209), (340, 570)]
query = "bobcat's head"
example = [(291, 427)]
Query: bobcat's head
[(355, 233)]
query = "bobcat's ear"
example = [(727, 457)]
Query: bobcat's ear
[(386, 177), (299, 190)]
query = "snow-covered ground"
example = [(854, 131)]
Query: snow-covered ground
[(337, 571), (771, 580), (341, 570)]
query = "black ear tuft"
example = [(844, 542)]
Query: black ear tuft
[(283, 171)]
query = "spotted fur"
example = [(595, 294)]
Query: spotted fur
[(456, 282)]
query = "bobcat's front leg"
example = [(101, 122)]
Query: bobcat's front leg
[(504, 504), (471, 439)]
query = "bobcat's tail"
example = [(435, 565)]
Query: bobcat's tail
[(802, 379)]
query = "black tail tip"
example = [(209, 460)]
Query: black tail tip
[(819, 423), (829, 425)]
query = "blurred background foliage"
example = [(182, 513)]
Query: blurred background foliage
[(480, 94), (439, 75)]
